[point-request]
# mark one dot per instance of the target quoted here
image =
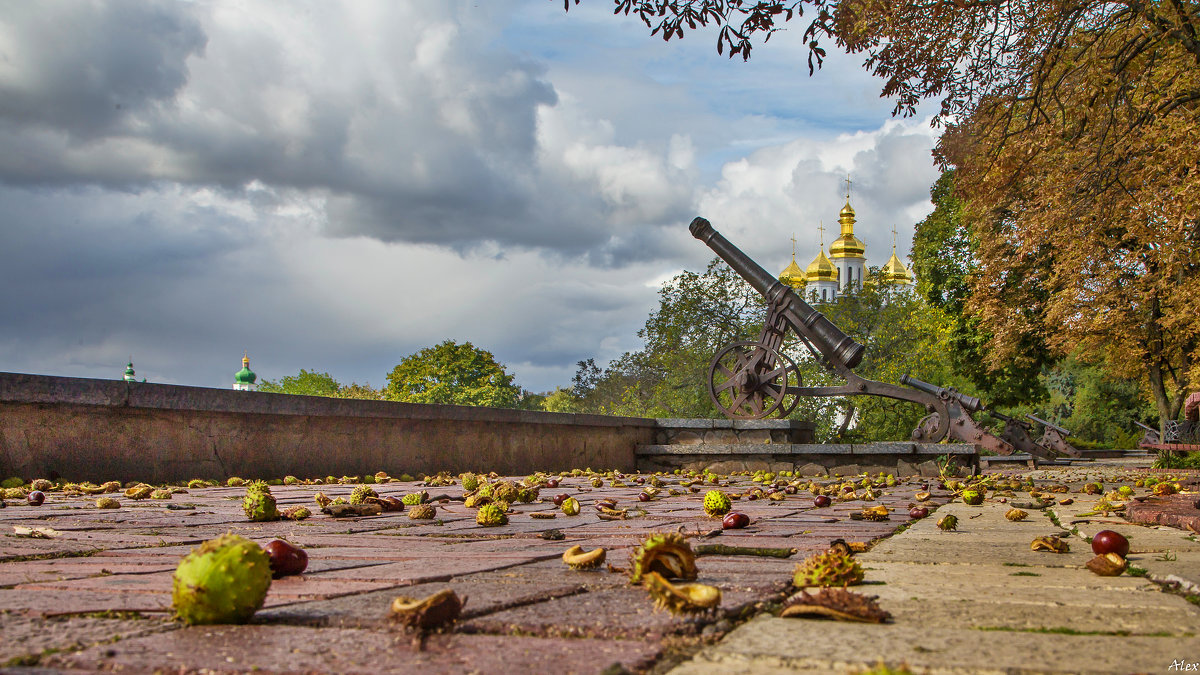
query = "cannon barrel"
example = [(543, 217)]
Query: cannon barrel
[(967, 402), (835, 345), (1048, 425)]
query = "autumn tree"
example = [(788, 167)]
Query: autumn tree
[(452, 373)]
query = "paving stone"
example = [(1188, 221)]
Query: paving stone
[(626, 613), (28, 637)]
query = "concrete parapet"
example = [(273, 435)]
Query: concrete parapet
[(90, 429), (903, 458)]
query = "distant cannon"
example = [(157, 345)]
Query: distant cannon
[(754, 379)]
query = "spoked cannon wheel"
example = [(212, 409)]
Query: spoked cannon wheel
[(748, 380)]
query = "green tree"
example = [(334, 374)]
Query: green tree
[(903, 334), (945, 255), (698, 314), (306, 383), (312, 383), (453, 374)]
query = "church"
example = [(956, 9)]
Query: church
[(845, 268)]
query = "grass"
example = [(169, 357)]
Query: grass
[(1013, 564), (1024, 574)]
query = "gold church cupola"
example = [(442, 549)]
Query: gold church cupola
[(847, 245), (792, 275)]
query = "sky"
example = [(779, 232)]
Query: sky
[(334, 186)]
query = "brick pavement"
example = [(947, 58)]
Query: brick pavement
[(97, 596)]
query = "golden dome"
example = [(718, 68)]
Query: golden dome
[(821, 269), (792, 275), (894, 272), (847, 245)]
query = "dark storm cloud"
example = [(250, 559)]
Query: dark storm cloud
[(93, 69), (427, 136)]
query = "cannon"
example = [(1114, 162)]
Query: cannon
[(1054, 437), (754, 379), (1151, 437)]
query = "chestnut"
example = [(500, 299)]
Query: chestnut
[(35, 498), (918, 512), (552, 482), (735, 520), (286, 559), (643, 497), (821, 501), (560, 498), (639, 480), (1107, 541)]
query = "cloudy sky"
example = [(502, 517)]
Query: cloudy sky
[(334, 186)]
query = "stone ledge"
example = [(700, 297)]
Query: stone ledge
[(784, 449), (48, 389)]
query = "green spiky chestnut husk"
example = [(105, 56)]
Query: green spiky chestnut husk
[(234, 481), (225, 580), (972, 497), (506, 491), (160, 494), (831, 568), (470, 482), (716, 503), (291, 480), (107, 503), (360, 494), (491, 515), (413, 498), (259, 506), (570, 506)]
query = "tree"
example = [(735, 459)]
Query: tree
[(945, 255), (1073, 129), (902, 334), (312, 383), (697, 315), (454, 374)]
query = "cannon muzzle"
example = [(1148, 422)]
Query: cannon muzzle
[(1048, 425), (835, 345), (969, 403)]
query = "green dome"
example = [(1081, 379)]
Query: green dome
[(245, 375)]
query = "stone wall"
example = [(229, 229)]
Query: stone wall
[(899, 458), (85, 429)]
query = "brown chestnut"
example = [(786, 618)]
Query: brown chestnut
[(551, 482), (918, 512), (735, 520), (1107, 541), (35, 498), (286, 559), (560, 498), (643, 497), (822, 501)]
